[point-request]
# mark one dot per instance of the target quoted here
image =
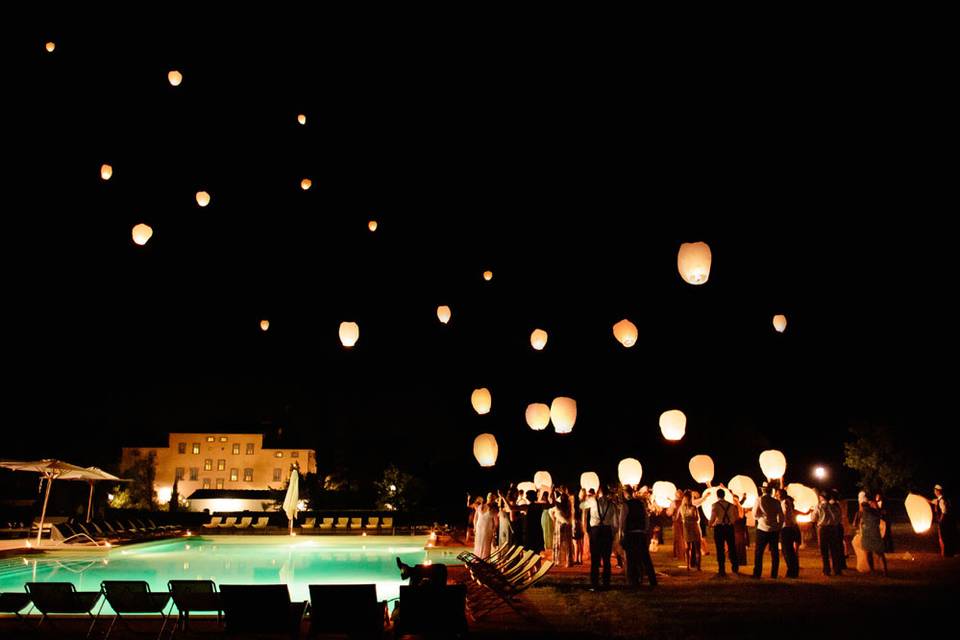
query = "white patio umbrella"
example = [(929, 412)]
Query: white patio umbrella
[(292, 497), (51, 470), (100, 475)]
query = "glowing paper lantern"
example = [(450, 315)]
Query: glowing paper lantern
[(625, 332), (804, 499), (780, 323), (349, 333), (264, 325), (744, 485), (106, 172), (693, 262), (538, 339), (175, 78), (488, 275), (372, 225), (485, 449), (542, 479), (563, 414), (203, 198), (589, 480), (142, 233), (306, 183), (630, 471), (443, 314), (523, 487), (919, 512), (538, 416), (302, 119), (673, 424), (481, 400), (773, 464), (701, 468), (664, 493), (50, 46)]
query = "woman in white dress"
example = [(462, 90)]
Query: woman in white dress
[(483, 528)]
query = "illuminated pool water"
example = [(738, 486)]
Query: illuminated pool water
[(295, 561)]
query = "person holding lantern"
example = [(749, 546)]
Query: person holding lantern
[(634, 529), (828, 529), (769, 516), (790, 534), (690, 516), (601, 513), (723, 514), (946, 523)]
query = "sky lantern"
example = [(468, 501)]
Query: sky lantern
[(693, 262), (701, 468), (372, 225), (203, 198), (625, 332), (349, 333), (523, 487), (673, 424), (773, 464), (804, 499), (302, 118), (306, 183), (481, 400), (50, 46), (485, 449), (264, 324), (563, 414), (175, 78), (538, 416), (630, 471), (589, 480), (443, 313), (780, 323), (488, 275), (106, 172), (538, 339), (543, 480), (664, 493), (142, 233), (744, 485), (919, 512)]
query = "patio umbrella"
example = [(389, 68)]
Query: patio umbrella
[(51, 470), (99, 474), (292, 497)]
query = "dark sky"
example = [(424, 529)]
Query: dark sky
[(815, 170)]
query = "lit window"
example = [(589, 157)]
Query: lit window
[(223, 438), (249, 448), (194, 473), (236, 448), (234, 474), (208, 464), (294, 454), (221, 465), (180, 471), (248, 475), (276, 475), (219, 483), (278, 454), (211, 439), (181, 447), (206, 483), (196, 448)]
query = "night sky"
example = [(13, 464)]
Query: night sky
[(817, 175)]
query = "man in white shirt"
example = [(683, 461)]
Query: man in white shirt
[(722, 516), (769, 515), (601, 514)]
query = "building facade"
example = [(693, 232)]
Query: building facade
[(220, 461)]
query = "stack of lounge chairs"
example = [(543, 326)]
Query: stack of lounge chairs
[(498, 580), (348, 524), (99, 532)]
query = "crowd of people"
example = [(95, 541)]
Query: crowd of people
[(623, 523)]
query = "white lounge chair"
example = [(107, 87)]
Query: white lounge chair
[(245, 522), (228, 523), (262, 522), (214, 523)]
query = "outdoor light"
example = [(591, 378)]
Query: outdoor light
[(50, 46), (693, 262), (106, 171), (630, 471), (543, 479), (773, 464), (372, 225), (349, 333), (919, 512), (305, 183), (820, 473), (443, 314), (780, 323), (142, 233), (488, 275), (673, 424), (664, 493), (203, 198), (485, 449), (538, 416), (302, 119), (481, 400), (563, 414), (589, 480), (175, 78), (393, 487), (538, 339), (744, 486), (625, 332), (264, 325), (701, 468)]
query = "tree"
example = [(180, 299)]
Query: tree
[(883, 462), (397, 491), (139, 492)]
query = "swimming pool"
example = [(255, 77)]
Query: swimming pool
[(296, 561)]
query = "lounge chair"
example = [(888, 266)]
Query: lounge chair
[(440, 610), (326, 524), (342, 523), (244, 523), (356, 523), (309, 523), (373, 522), (194, 595), (351, 609), (262, 523), (62, 597), (14, 603), (387, 523), (228, 523), (214, 523), (260, 608), (501, 590), (133, 597)]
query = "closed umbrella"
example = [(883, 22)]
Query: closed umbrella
[(292, 497)]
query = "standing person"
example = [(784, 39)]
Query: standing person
[(769, 516), (562, 512), (505, 529), (946, 522), (790, 534), (483, 527), (586, 499), (546, 522), (679, 543), (723, 515), (740, 530), (472, 505), (690, 517), (831, 546), (601, 513), (870, 538), (532, 523), (635, 537), (578, 528), (886, 528)]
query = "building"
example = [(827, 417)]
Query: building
[(235, 500), (220, 461)]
